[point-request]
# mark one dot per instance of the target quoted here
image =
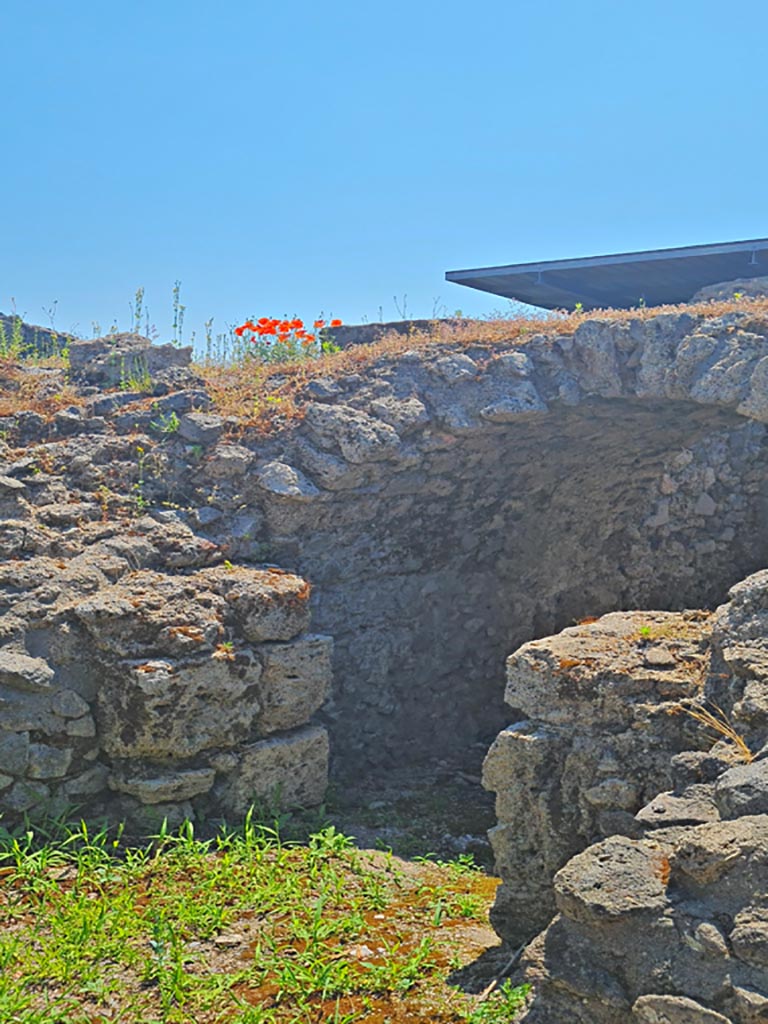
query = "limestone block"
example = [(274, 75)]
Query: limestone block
[(156, 787), (749, 937), (749, 1004), (517, 404), (616, 878), (694, 806), (119, 357), (360, 438), (21, 672), (69, 704), (511, 365), (82, 728), (22, 712), (593, 674), (228, 461), (14, 752), (294, 682), (403, 414), (456, 367), (201, 428), (88, 783), (26, 795), (674, 1010), (290, 770), (743, 789), (286, 482), (47, 762), (270, 605), (165, 709)]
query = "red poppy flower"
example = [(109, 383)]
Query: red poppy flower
[(319, 323), (335, 323), (240, 331), (263, 320), (295, 324)]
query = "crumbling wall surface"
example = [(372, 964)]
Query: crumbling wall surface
[(665, 917), (140, 694), (447, 503)]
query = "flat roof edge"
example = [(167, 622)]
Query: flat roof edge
[(715, 248)]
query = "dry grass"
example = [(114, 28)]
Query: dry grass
[(269, 396), (721, 725)]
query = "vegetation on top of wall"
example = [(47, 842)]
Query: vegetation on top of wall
[(266, 392)]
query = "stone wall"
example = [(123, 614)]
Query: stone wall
[(665, 919), (447, 504), (142, 694)]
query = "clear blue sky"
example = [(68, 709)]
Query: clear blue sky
[(300, 156)]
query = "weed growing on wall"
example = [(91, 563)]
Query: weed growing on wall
[(271, 340)]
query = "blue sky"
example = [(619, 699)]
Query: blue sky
[(300, 157)]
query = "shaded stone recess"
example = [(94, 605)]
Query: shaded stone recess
[(664, 917), (447, 504)]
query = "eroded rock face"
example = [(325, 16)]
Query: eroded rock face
[(603, 718), (158, 694), (666, 919)]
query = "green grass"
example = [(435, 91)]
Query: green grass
[(242, 927)]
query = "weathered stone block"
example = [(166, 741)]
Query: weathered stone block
[(47, 762), (14, 752), (88, 783), (270, 605), (161, 709), (674, 1010), (156, 787), (21, 672), (290, 770), (69, 704), (26, 795), (294, 682)]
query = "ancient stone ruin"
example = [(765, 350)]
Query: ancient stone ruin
[(424, 515)]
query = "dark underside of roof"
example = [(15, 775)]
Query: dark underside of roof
[(622, 281)]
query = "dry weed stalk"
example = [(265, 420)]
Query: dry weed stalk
[(719, 723)]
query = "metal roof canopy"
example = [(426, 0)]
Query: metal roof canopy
[(624, 280)]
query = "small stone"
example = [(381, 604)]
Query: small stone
[(659, 657), (227, 461), (92, 781), (705, 506), (674, 1010), (21, 672), (69, 704), (84, 727), (14, 752), (711, 940), (743, 790), (5, 781), (283, 480), (201, 428), (455, 368), (26, 795), (8, 483), (48, 762), (165, 787)]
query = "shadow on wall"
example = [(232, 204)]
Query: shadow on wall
[(428, 578)]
